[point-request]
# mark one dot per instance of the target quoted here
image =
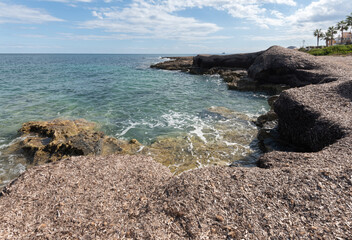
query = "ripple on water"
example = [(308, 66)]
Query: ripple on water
[(209, 143)]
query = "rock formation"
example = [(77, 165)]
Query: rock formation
[(295, 195), (282, 66), (49, 141), (241, 61), (176, 63)]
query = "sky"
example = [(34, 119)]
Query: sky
[(163, 26)]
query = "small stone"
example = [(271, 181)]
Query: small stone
[(133, 141), (41, 226), (219, 218), (232, 234)]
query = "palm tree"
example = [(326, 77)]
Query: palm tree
[(331, 31), (319, 34), (342, 25), (349, 24), (349, 21), (327, 38)]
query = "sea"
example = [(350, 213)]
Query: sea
[(129, 100)]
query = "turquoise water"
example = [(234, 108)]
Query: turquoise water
[(120, 92)]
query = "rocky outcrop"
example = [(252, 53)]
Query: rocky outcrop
[(49, 141), (272, 70), (294, 68), (183, 64), (241, 61)]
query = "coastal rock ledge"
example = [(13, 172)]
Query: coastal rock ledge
[(50, 141), (294, 195)]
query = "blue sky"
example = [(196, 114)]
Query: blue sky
[(162, 26)]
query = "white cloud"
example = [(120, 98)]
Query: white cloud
[(10, 13), (318, 14), (143, 19), (253, 10), (94, 37), (321, 12), (160, 19), (280, 37), (163, 18), (70, 1)]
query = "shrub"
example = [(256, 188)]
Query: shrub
[(332, 50)]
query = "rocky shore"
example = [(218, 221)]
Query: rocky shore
[(295, 195)]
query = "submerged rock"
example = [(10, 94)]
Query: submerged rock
[(49, 141), (228, 140)]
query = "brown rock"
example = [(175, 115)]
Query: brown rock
[(219, 218), (177, 63), (49, 141)]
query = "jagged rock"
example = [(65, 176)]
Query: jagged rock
[(49, 141)]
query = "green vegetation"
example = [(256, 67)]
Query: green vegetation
[(341, 48), (332, 50), (328, 36)]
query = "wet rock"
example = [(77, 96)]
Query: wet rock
[(267, 135), (265, 118), (248, 84), (242, 84), (270, 140), (221, 144), (49, 141), (271, 100), (134, 141), (230, 75), (225, 113)]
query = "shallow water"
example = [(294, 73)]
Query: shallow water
[(128, 100)]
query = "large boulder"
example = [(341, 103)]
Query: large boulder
[(294, 68)]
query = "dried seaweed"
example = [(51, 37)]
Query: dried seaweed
[(301, 195)]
